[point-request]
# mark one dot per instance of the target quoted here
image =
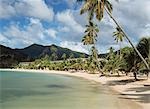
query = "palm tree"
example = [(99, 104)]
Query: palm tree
[(90, 39), (97, 7), (92, 64), (144, 47), (111, 53), (126, 36), (118, 35), (149, 50), (90, 34), (94, 56), (94, 53), (113, 63)]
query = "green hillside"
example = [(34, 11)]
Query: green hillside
[(10, 57)]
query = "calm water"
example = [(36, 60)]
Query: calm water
[(20, 90)]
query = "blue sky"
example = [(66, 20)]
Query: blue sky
[(46, 22)]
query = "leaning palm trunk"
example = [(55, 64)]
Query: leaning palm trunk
[(139, 54), (120, 51)]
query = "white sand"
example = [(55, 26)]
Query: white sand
[(139, 90)]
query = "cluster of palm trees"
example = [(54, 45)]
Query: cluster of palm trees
[(119, 62), (46, 64), (129, 59), (96, 8)]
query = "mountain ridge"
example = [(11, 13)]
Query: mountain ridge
[(10, 57)]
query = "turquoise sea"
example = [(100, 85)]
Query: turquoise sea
[(22, 90)]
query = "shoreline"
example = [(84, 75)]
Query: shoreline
[(128, 89)]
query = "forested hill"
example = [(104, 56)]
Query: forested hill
[(10, 57), (35, 51)]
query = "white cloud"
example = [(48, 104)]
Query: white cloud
[(29, 8), (63, 29), (3, 39), (34, 32), (51, 32), (34, 21), (75, 46), (68, 19), (71, 28), (134, 17), (145, 31), (6, 11)]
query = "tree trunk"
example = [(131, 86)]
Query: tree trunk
[(135, 75), (136, 50), (120, 51)]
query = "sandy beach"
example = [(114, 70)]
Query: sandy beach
[(138, 91)]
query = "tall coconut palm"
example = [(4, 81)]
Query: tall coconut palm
[(97, 7), (118, 35), (149, 50), (128, 39), (90, 39), (94, 64), (111, 53), (90, 34), (113, 63), (94, 53), (144, 47), (87, 40)]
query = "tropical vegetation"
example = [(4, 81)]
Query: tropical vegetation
[(135, 59), (111, 65)]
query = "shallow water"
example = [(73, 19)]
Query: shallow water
[(22, 90)]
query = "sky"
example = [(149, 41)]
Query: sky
[(46, 22)]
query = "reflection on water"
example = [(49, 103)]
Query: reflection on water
[(48, 91)]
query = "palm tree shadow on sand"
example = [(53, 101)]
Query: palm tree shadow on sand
[(140, 94)]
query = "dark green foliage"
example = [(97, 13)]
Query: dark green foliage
[(45, 63), (95, 8), (129, 62), (128, 55), (64, 56), (10, 57), (37, 51), (144, 47)]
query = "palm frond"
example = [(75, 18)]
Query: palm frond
[(108, 6)]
